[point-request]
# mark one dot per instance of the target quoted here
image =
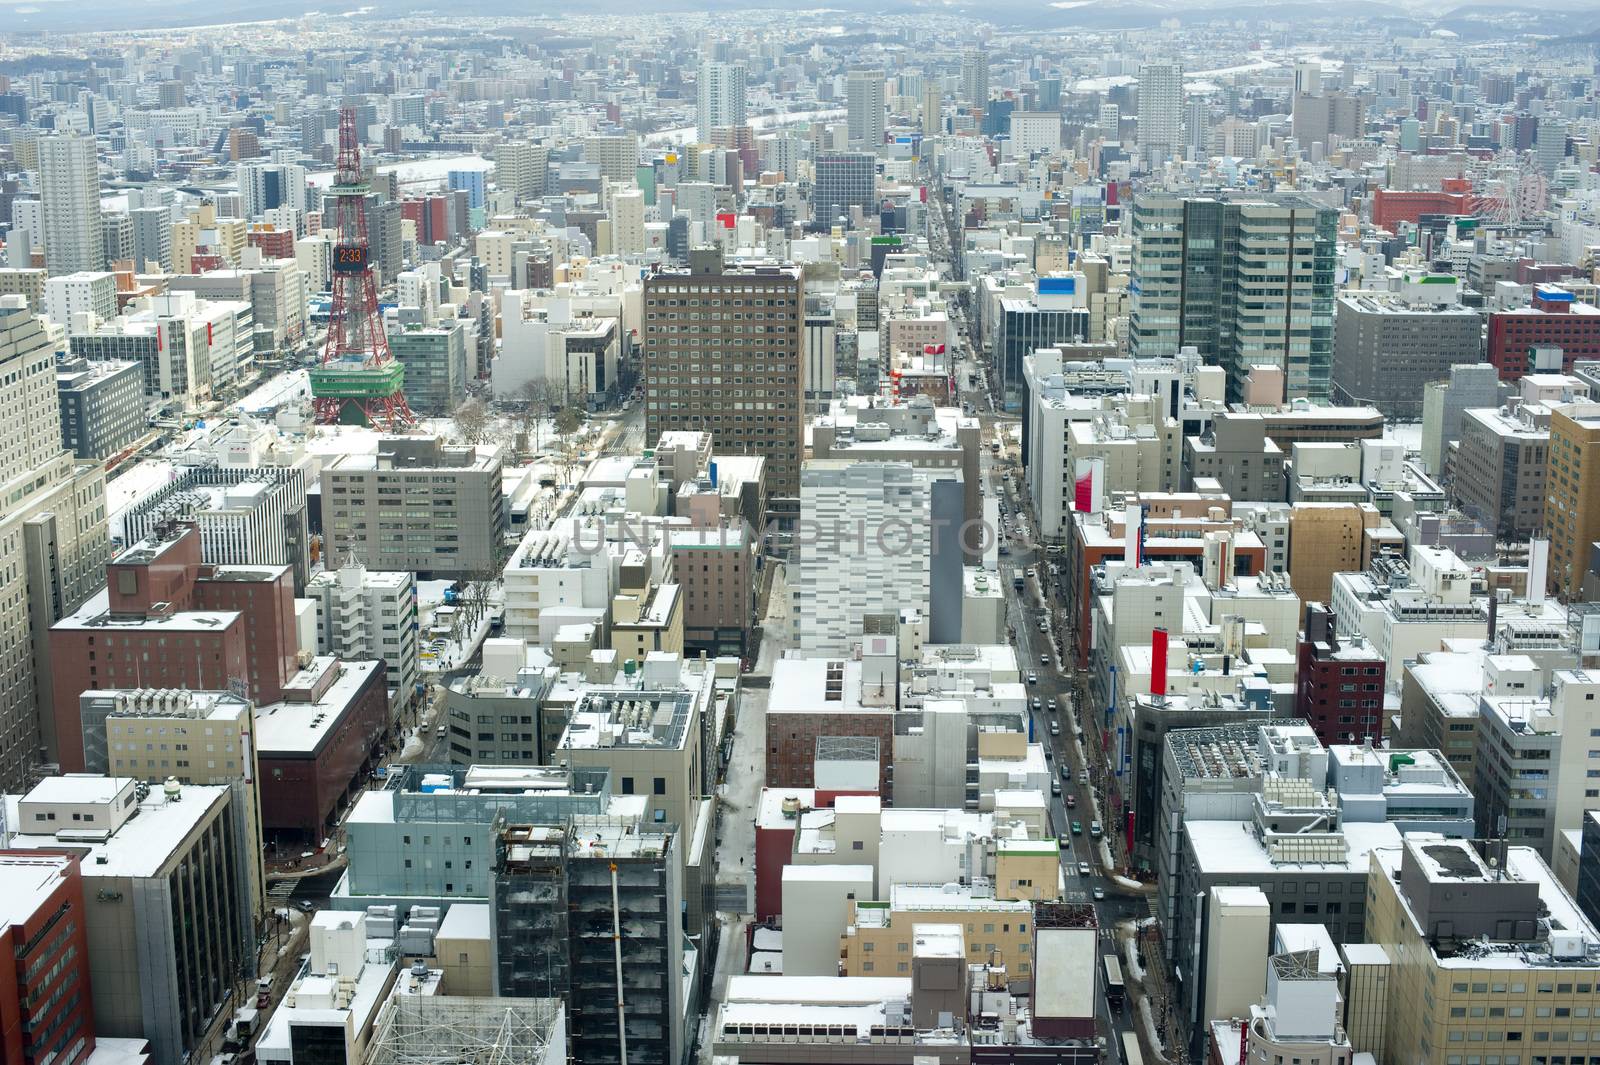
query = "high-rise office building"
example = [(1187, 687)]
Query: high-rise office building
[(616, 154), (263, 186), (863, 90), (1199, 270), (152, 236), (69, 179), (932, 106), (721, 88), (116, 236), (1160, 108), (53, 543), (722, 351), (627, 223), (520, 168), (975, 77), (1572, 495), (843, 180)]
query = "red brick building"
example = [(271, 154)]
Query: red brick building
[(167, 620), (1555, 319), (1390, 208), (314, 748), (1339, 687), (816, 697), (274, 243), (46, 1009)]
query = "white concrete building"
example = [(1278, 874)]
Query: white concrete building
[(90, 293), (1160, 108), (548, 344), (720, 88), (552, 581), (863, 91), (1411, 613), (816, 906), (1035, 131), (363, 615), (866, 550), (69, 196)]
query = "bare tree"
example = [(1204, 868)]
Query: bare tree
[(569, 421), (537, 397), (477, 591), (473, 423)]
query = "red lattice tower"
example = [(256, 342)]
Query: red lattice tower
[(358, 374)]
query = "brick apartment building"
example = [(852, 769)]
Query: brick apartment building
[(1339, 686), (1554, 319), (167, 620), (46, 1010), (816, 697)]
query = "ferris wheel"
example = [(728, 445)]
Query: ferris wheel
[(1511, 194)]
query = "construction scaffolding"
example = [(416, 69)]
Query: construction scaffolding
[(447, 1030)]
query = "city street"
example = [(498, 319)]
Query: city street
[(1037, 635)]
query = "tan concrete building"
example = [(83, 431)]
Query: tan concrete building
[(1324, 539), (646, 618), (53, 544), (1572, 495), (1483, 959), (463, 951), (195, 737), (26, 282), (647, 733), (169, 923), (878, 935)]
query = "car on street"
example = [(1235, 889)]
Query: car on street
[(1083, 869), (1055, 729), (1049, 755), (1072, 802), (1036, 702), (1094, 830), (1055, 787), (1099, 894), (1054, 707), (1044, 626), (1033, 678), (1077, 828), (1044, 660), (1083, 776)]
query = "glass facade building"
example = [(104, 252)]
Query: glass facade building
[(1246, 281)]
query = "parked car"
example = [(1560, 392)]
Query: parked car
[(1094, 830)]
